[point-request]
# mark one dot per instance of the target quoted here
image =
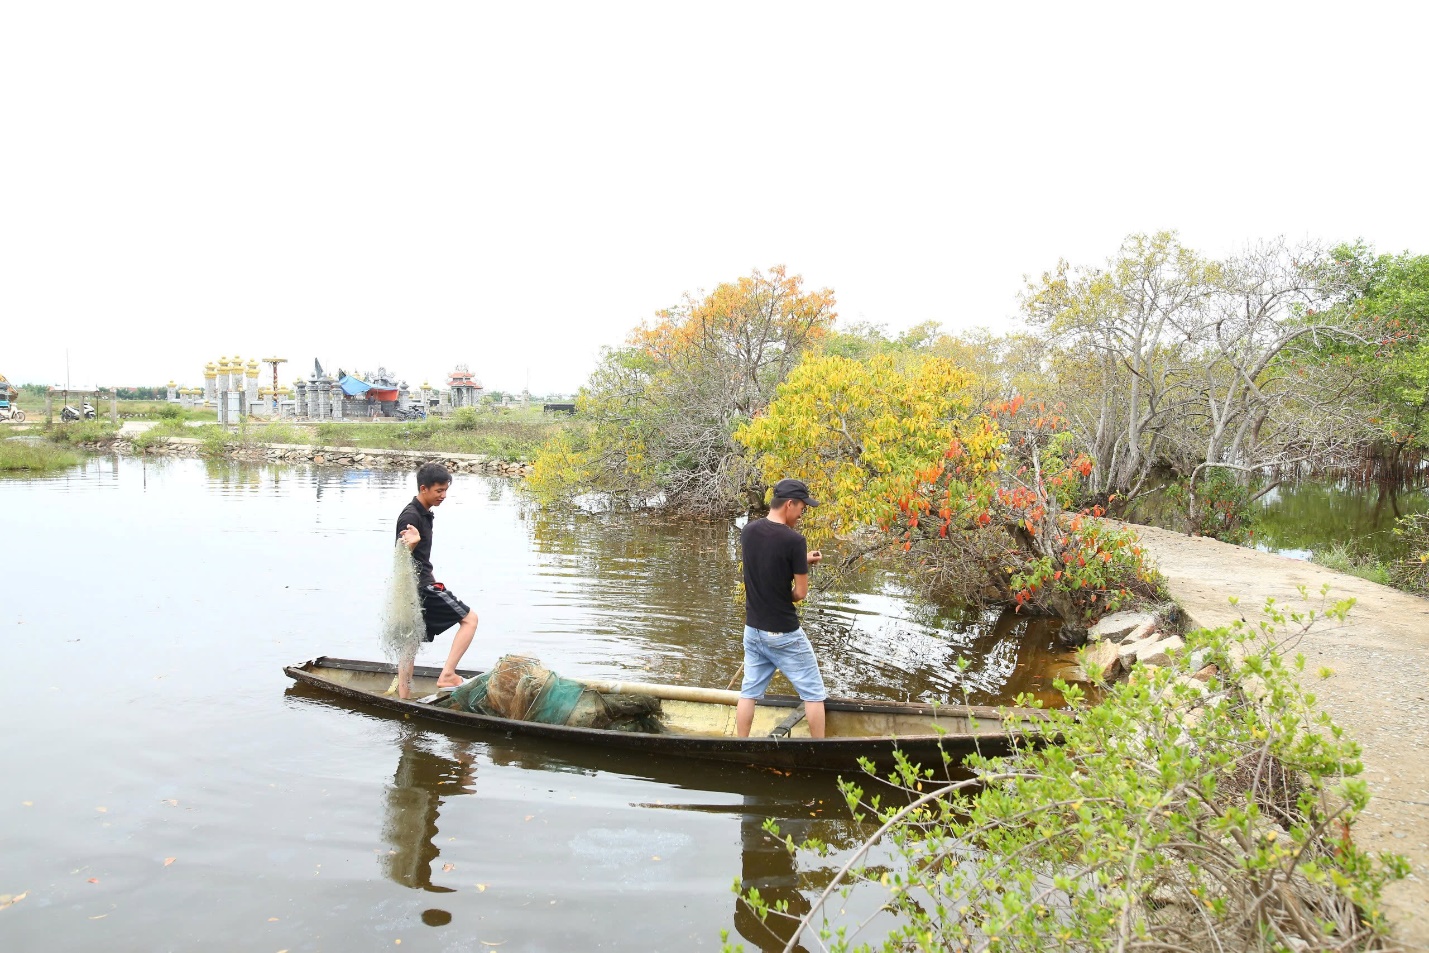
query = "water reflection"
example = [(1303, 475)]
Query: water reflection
[(766, 865), (1300, 519), (412, 804), (1303, 517), (613, 846), (358, 823), (672, 586)]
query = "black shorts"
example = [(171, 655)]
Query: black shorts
[(441, 610)]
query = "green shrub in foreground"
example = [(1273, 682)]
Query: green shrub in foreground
[(1174, 815)]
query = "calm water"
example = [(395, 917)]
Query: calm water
[(1302, 518), (151, 607)]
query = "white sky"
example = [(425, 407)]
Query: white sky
[(515, 185)]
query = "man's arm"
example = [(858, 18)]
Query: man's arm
[(801, 580), (407, 534)]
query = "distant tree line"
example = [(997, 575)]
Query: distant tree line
[(38, 392)]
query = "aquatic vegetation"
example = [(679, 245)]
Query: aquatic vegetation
[(33, 456)]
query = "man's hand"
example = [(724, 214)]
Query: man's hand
[(815, 558), (410, 537)]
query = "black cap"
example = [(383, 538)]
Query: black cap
[(794, 490)]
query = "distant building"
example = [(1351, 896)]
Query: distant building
[(465, 389)]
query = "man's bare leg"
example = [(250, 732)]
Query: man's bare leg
[(814, 714), (404, 676), (460, 643), (744, 717)]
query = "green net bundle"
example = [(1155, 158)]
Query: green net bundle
[(523, 689)]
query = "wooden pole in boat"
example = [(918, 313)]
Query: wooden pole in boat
[(682, 693)]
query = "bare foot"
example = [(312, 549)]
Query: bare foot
[(449, 680)]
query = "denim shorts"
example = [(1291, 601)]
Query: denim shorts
[(790, 653)]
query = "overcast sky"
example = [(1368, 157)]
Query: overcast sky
[(513, 186)]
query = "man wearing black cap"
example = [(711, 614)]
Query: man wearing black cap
[(776, 575)]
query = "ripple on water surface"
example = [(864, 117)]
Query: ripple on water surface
[(155, 602)]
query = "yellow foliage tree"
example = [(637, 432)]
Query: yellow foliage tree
[(866, 435)]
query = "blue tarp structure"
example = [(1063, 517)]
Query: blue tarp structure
[(352, 386)]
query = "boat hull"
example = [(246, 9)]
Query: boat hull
[(967, 729)]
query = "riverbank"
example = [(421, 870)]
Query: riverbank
[(1378, 692), (316, 454)]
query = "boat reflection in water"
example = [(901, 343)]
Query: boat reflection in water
[(767, 865), (433, 767)]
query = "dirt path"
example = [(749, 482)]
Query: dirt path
[(1380, 660)]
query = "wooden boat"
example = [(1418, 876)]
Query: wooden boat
[(700, 722)]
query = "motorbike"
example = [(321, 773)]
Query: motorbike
[(411, 413), (86, 411), (9, 411)]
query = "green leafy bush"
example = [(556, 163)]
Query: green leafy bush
[(160, 434), (1220, 507), (215, 440), (1176, 814), (465, 418), (1411, 573), (81, 431)]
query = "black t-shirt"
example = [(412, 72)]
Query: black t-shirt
[(773, 555), (421, 517)]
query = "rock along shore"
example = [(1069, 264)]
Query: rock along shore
[(361, 458)]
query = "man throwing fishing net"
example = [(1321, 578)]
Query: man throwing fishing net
[(441, 609), (776, 575)]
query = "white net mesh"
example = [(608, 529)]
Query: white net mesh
[(402, 626)]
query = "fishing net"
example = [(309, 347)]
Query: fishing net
[(523, 689), (402, 625)]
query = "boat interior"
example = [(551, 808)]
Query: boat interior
[(714, 720)]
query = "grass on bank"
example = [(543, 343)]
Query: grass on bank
[(503, 434), (80, 431), (33, 456), (162, 410), (509, 434), (1342, 557)]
